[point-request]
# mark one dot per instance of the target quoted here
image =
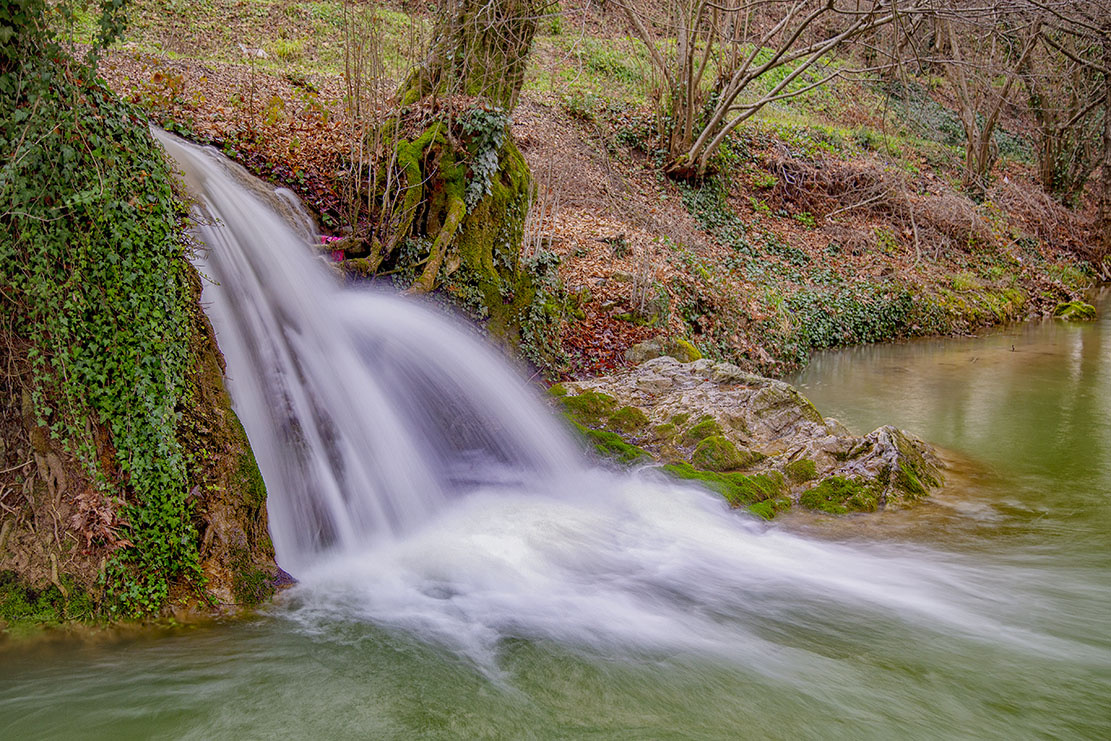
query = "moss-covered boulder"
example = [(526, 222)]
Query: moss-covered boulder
[(709, 421), (718, 453), (1074, 311), (674, 347), (838, 495)]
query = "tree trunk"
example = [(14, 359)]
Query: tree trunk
[(479, 48), (455, 190), (1105, 166)]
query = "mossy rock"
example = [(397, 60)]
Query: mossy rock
[(1075, 311), (717, 453), (738, 489), (801, 470), (558, 390), (707, 427), (769, 508), (862, 448), (589, 407), (611, 445), (665, 432), (25, 610), (674, 347), (838, 495), (914, 475), (777, 398), (628, 420)]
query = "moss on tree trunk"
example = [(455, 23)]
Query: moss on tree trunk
[(455, 190)]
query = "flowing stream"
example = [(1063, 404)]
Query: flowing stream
[(466, 573)]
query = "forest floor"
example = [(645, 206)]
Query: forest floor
[(837, 217)]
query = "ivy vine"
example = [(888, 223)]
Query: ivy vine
[(92, 273)]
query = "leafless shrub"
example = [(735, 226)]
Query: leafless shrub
[(544, 207), (1040, 215), (955, 216), (826, 188), (832, 189)]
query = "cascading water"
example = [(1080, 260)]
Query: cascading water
[(366, 412), (415, 482)]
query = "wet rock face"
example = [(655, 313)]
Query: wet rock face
[(756, 440)]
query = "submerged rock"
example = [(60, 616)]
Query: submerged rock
[(757, 441)]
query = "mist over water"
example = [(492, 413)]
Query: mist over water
[(465, 572)]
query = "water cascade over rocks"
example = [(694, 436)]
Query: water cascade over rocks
[(416, 483), (366, 411)]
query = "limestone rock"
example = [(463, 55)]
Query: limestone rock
[(674, 347), (712, 421)]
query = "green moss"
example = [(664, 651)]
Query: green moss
[(683, 351), (250, 584), (665, 432), (1075, 311), (680, 419), (801, 470), (737, 488), (24, 610), (707, 426), (717, 453), (769, 508), (610, 445), (589, 407), (557, 390), (913, 475), (907, 479), (838, 495), (628, 419), (254, 489)]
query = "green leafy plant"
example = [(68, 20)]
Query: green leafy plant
[(92, 274)]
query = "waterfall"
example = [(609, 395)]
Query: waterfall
[(366, 411), (415, 481)]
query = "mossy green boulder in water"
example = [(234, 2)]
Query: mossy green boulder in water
[(717, 453), (838, 495), (1075, 311), (589, 407), (738, 489)]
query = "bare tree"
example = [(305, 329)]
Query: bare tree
[(721, 49), (985, 48), (1065, 99), (1086, 25)]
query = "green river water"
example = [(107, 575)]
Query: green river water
[(985, 613)]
